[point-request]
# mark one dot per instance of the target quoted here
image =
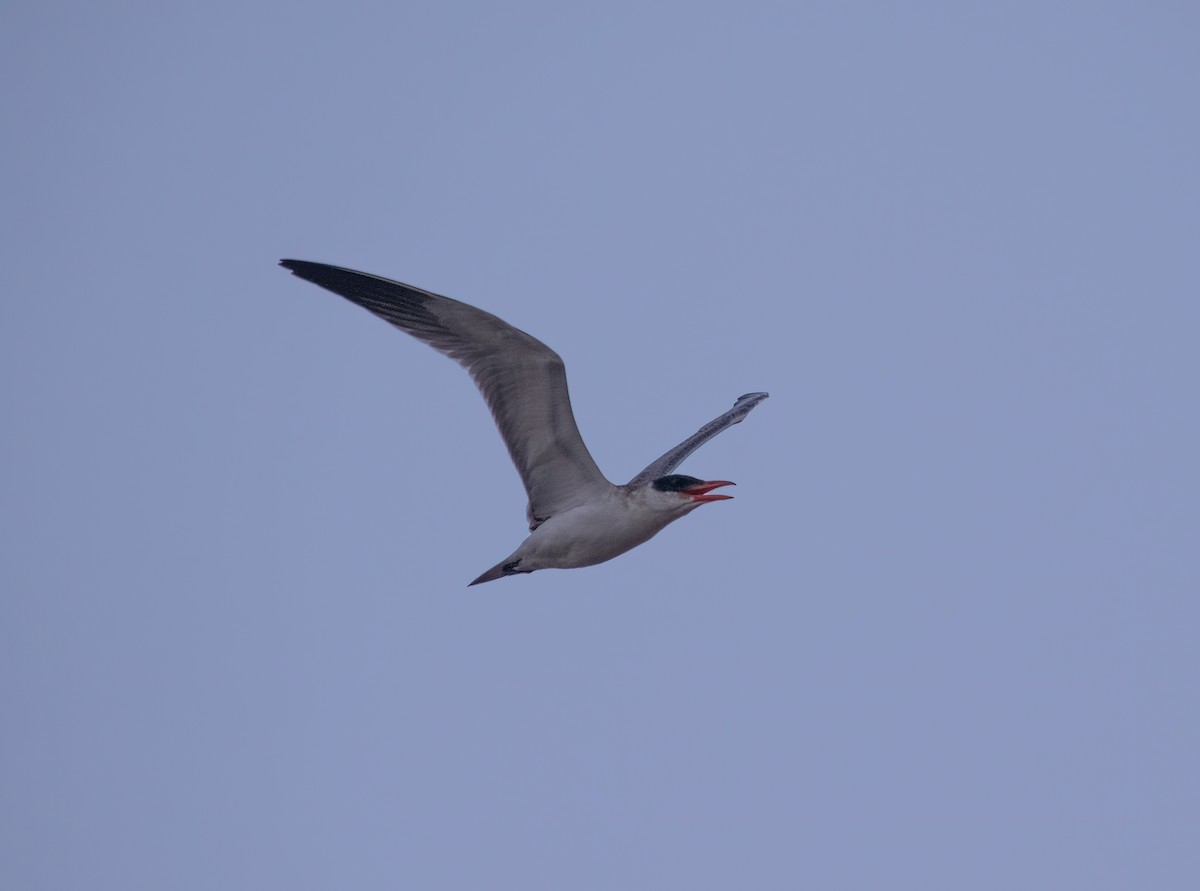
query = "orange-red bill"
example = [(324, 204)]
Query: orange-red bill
[(700, 491)]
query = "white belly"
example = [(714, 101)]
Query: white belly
[(591, 534)]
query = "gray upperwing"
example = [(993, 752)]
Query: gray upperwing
[(522, 380), (675, 456)]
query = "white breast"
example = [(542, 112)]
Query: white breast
[(593, 532)]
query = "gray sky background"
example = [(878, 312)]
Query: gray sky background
[(945, 636)]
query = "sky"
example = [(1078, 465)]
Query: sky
[(944, 636)]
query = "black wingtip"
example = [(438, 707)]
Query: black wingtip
[(296, 265), (317, 273)]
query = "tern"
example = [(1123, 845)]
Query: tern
[(576, 516)]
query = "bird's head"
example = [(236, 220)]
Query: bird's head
[(687, 493)]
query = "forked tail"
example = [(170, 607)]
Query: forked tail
[(507, 566)]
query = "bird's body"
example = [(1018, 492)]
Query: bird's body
[(591, 533), (595, 531), (576, 516)]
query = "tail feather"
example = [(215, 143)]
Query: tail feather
[(505, 567), (491, 575)]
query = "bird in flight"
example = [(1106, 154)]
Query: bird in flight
[(576, 516)]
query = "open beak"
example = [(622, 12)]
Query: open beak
[(699, 492)]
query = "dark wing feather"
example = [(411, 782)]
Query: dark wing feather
[(522, 380)]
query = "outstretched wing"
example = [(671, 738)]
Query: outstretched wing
[(674, 458), (522, 380)]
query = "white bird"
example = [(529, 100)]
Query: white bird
[(576, 516)]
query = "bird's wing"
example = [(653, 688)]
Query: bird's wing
[(674, 458), (522, 380)]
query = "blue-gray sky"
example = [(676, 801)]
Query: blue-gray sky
[(943, 638)]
